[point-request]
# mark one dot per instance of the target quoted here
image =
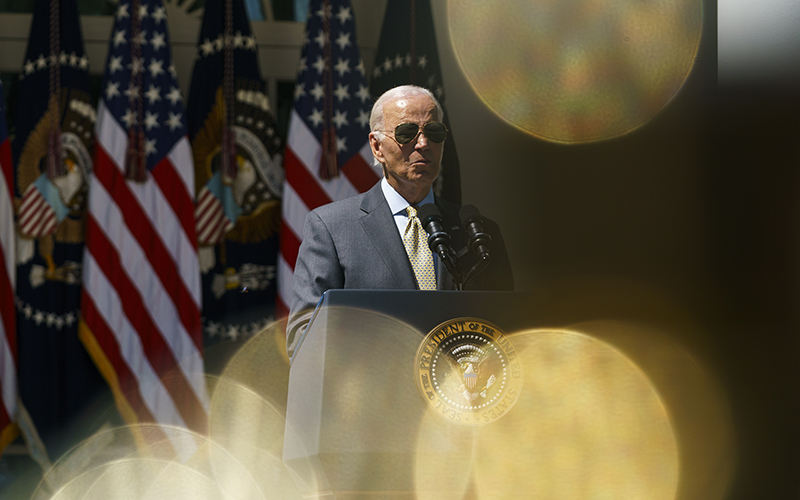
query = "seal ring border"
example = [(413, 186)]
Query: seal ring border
[(516, 382)]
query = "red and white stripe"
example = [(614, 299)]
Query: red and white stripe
[(212, 223), (36, 217), (8, 330), (304, 191), (141, 284)]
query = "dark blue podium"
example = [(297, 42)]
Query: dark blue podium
[(356, 426)]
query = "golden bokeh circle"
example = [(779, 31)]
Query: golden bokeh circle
[(576, 71), (589, 424), (247, 414)]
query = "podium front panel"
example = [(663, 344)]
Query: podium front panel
[(354, 414)]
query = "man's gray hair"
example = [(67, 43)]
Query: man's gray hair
[(376, 118)]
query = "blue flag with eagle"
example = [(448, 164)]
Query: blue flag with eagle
[(407, 54), (238, 177), (52, 154)]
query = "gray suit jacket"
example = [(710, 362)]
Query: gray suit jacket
[(354, 244)]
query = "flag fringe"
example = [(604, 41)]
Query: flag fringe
[(7, 436), (108, 372), (106, 369)]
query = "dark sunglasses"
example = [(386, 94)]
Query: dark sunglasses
[(407, 132)]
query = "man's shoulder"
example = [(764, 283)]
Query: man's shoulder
[(348, 205), (340, 206)]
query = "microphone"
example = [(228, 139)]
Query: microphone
[(479, 242), (438, 239)]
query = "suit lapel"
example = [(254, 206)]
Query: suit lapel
[(378, 222)]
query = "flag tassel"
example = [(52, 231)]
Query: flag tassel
[(228, 154), (55, 167), (328, 168), (229, 166), (134, 158)]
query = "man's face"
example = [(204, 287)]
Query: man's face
[(410, 168)]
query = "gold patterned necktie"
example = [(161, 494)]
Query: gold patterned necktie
[(416, 243)]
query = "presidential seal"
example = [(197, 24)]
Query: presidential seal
[(468, 371)]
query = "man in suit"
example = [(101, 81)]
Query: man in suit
[(358, 243)]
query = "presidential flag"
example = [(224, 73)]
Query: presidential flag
[(407, 54), (238, 177), (8, 273), (328, 156), (141, 296), (52, 156)]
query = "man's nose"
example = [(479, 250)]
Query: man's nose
[(422, 140)]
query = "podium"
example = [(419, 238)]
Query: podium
[(356, 425)]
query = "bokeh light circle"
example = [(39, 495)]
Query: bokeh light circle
[(589, 424), (574, 71), (247, 417), (144, 461)]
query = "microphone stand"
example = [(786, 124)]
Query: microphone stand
[(483, 263), (439, 241), (479, 242)]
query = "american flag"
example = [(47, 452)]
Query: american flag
[(327, 155), (8, 329), (36, 216), (212, 223), (142, 296)]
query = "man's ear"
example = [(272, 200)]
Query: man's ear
[(375, 144)]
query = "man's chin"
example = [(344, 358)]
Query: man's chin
[(424, 172), (423, 179)]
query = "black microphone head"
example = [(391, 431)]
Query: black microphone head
[(469, 213), (479, 242), (429, 211), (431, 220)]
